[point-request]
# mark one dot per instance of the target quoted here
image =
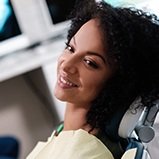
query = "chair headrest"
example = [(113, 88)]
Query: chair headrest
[(140, 119), (123, 122), (130, 119), (111, 129)]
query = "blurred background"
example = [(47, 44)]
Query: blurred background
[(32, 36)]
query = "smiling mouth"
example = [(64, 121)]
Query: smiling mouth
[(66, 83)]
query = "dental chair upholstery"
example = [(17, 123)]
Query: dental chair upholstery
[(136, 127), (131, 130)]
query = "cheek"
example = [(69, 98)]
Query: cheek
[(98, 85), (94, 86), (94, 83)]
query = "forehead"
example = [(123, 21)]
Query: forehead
[(90, 36), (91, 28)]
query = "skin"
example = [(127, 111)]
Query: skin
[(81, 73)]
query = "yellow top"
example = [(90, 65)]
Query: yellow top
[(78, 144)]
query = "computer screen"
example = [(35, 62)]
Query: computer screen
[(56, 13), (8, 23), (11, 36), (59, 9)]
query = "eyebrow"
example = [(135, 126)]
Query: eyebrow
[(90, 52), (96, 54)]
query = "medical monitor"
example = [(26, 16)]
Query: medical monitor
[(56, 14), (11, 35)]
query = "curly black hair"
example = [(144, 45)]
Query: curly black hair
[(131, 38)]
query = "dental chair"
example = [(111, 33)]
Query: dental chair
[(133, 131)]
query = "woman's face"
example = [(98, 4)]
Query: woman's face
[(82, 68)]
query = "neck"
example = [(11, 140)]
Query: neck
[(75, 117)]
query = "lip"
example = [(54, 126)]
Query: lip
[(65, 82)]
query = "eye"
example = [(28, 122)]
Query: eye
[(69, 48), (91, 63)]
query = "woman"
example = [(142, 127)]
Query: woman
[(111, 57)]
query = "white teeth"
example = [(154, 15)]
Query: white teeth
[(66, 82)]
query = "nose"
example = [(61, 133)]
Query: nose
[(69, 65)]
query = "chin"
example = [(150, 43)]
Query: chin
[(59, 97)]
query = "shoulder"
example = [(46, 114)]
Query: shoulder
[(85, 145), (72, 144)]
